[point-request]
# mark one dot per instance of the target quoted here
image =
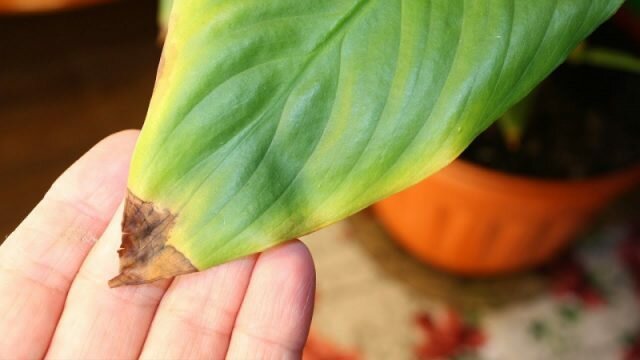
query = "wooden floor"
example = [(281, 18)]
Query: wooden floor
[(66, 81)]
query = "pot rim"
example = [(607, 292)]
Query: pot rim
[(465, 172)]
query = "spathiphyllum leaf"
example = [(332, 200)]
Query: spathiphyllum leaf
[(271, 119)]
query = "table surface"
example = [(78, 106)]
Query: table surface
[(376, 302)]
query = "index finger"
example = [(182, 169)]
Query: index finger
[(42, 256)]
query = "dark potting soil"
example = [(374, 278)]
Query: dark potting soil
[(585, 122)]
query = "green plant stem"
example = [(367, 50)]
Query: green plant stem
[(606, 58)]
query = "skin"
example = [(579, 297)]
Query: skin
[(56, 303)]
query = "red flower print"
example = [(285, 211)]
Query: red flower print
[(569, 279), (629, 253), (447, 336), (632, 351)]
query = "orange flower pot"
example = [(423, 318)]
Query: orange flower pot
[(475, 221), (21, 6)]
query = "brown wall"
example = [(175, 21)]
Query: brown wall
[(67, 80)]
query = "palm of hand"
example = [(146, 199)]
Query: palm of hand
[(56, 303)]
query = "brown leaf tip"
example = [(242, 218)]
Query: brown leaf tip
[(144, 254)]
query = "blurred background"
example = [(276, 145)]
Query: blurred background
[(68, 79), (527, 247)]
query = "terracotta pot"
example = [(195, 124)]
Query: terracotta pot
[(475, 221), (20, 6)]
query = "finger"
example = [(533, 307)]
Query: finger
[(274, 318), (41, 257), (196, 315), (99, 322)]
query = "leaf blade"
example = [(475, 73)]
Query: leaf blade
[(271, 120)]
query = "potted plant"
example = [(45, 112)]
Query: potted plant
[(530, 183)]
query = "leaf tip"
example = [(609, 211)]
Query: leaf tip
[(144, 254)]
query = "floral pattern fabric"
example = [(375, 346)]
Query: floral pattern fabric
[(376, 302)]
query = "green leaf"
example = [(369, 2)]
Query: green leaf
[(271, 119)]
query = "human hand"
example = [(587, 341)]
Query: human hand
[(55, 301)]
